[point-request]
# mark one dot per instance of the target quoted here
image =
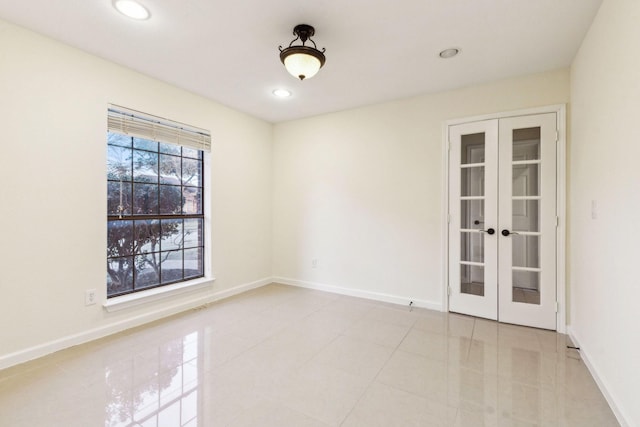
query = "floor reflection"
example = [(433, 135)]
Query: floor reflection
[(156, 390)]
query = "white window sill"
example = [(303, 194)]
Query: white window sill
[(155, 294)]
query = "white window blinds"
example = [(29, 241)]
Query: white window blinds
[(134, 123)]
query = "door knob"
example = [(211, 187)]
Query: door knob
[(489, 231), (506, 232)]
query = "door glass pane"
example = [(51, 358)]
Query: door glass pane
[(472, 247), (525, 215), (525, 251), (526, 287), (472, 181), (526, 180), (472, 214), (472, 148), (472, 280), (526, 144)]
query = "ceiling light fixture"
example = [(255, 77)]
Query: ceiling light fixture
[(132, 9), (302, 61), (282, 93), (449, 53)]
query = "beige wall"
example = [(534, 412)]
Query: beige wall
[(361, 190), (53, 102), (605, 96)]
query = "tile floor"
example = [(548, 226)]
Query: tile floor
[(284, 356)]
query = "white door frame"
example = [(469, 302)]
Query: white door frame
[(561, 230)]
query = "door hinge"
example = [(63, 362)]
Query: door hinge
[(557, 136), (557, 307), (557, 221), (448, 219), (449, 290)]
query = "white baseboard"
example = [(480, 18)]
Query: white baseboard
[(44, 349), (377, 296), (600, 381)]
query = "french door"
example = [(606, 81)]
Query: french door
[(502, 219)]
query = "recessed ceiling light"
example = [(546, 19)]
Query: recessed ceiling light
[(132, 9), (282, 93), (449, 53)]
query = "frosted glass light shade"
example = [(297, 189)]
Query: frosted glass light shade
[(302, 65)]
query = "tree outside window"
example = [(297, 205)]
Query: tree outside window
[(155, 225)]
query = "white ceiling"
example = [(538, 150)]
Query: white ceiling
[(377, 50)]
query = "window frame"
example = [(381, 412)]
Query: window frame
[(202, 248)]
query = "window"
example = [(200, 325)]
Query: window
[(155, 190)]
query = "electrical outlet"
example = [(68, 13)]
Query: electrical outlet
[(314, 263), (90, 297)]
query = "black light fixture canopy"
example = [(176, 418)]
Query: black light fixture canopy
[(302, 61)]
